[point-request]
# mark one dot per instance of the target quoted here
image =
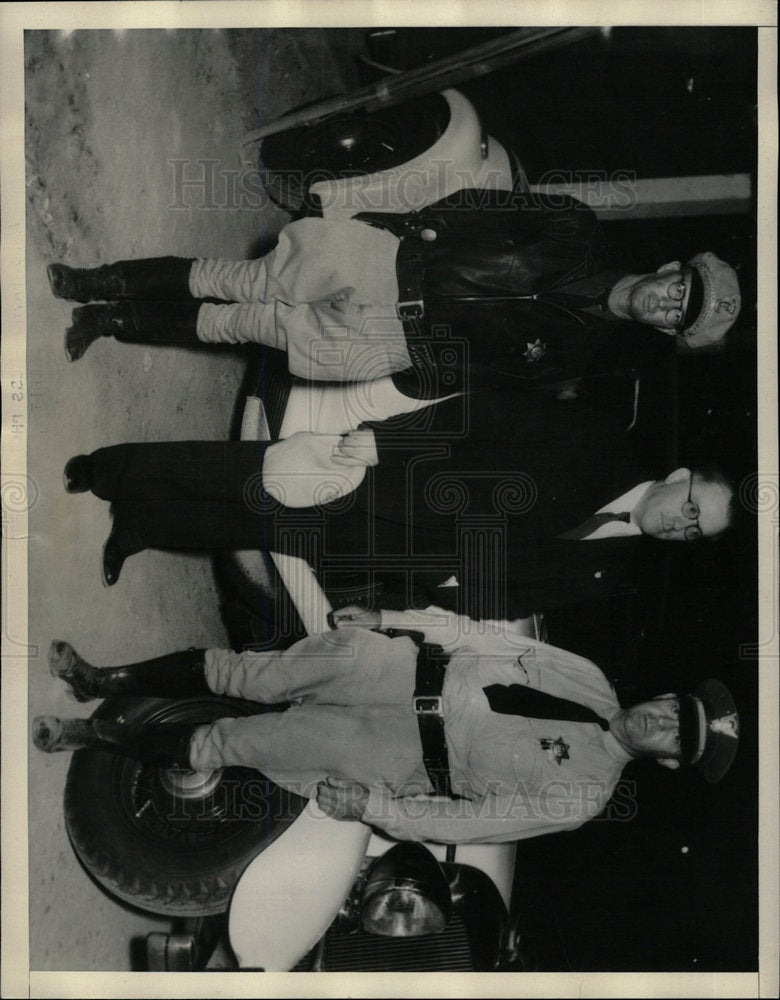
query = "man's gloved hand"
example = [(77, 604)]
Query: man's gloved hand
[(355, 449), (353, 616), (342, 799)]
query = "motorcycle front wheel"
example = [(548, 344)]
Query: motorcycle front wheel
[(170, 841)]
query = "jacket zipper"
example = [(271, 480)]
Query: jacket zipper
[(508, 298)]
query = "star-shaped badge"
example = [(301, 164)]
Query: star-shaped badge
[(556, 750), (535, 351)]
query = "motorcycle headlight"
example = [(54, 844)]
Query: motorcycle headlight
[(406, 894)]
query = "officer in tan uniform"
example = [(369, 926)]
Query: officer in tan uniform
[(451, 731)]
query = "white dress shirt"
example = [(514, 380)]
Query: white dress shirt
[(626, 502)]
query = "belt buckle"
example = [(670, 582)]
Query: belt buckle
[(425, 704), (413, 309)]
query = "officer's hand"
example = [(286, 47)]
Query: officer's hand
[(354, 617), (356, 448), (342, 799)]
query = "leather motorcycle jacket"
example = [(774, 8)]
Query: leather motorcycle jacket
[(501, 289)]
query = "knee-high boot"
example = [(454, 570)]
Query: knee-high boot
[(133, 322), (166, 745), (151, 278), (176, 675)]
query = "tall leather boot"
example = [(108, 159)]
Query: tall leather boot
[(166, 745), (133, 322), (150, 278), (176, 675)]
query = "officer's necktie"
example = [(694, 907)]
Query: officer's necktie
[(518, 699), (590, 524)]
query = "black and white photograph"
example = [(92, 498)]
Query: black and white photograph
[(390, 499)]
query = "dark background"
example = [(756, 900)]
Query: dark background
[(621, 896)]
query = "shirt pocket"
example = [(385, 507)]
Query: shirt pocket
[(527, 669)]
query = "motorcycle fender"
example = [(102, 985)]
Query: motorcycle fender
[(291, 893), (460, 158)]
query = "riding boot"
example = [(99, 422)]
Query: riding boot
[(133, 322), (78, 474), (177, 675), (166, 745), (152, 278)]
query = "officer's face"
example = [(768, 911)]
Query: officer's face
[(651, 728), (660, 299), (665, 511)]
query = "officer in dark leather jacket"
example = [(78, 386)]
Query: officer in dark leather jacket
[(493, 289), (512, 287)]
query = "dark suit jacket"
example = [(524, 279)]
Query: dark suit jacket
[(481, 486), (548, 576)]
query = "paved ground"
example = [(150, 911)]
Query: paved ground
[(107, 112)]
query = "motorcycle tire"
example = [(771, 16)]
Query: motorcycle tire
[(171, 842)]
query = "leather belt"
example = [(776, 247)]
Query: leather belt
[(426, 702), (410, 270), (409, 260), (429, 680)]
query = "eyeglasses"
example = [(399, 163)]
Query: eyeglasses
[(674, 317), (690, 509)]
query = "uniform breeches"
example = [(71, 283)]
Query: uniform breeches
[(352, 718), (326, 294)]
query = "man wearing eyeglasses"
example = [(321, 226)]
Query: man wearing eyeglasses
[(660, 300), (670, 512), (587, 511), (528, 503), (697, 301), (482, 289)]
